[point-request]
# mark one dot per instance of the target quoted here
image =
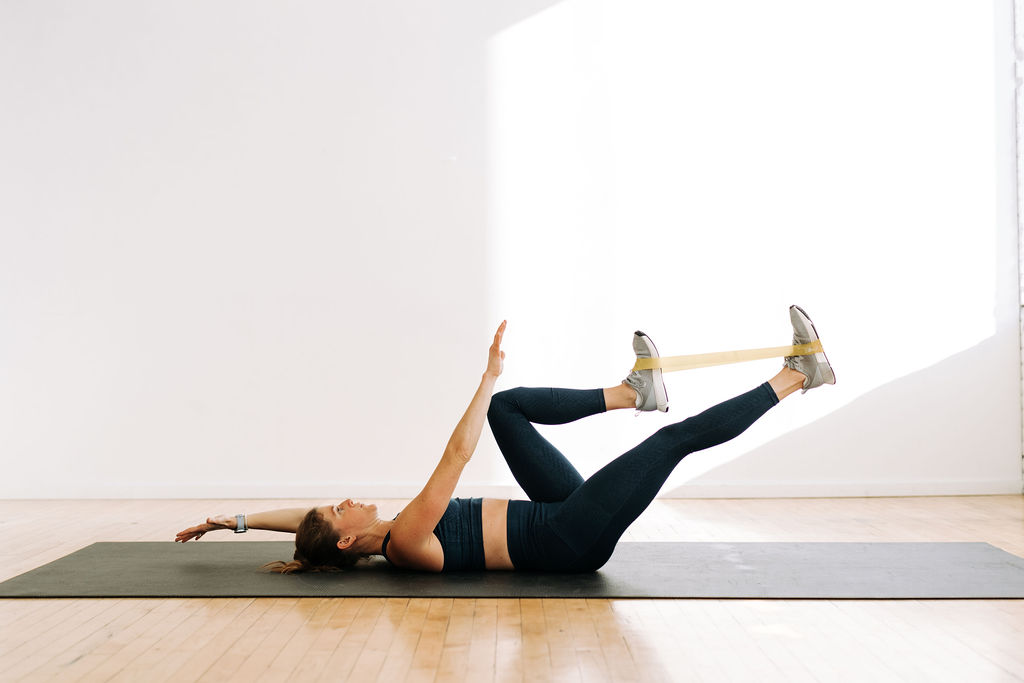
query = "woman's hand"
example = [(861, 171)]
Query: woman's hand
[(496, 357), (212, 524)]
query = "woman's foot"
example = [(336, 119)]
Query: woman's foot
[(648, 384), (815, 368)]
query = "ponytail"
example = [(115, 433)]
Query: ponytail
[(281, 567), (316, 549)]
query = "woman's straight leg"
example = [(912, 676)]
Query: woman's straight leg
[(540, 469), (596, 514)]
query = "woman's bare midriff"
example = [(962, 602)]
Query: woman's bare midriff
[(495, 517)]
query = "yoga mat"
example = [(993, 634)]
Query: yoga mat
[(637, 570)]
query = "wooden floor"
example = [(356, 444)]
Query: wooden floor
[(317, 639)]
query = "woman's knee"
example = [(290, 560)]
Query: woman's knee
[(678, 437), (503, 403), (510, 395)]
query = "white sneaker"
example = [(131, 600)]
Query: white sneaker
[(816, 367), (648, 384)]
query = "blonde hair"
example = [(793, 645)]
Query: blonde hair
[(316, 549)]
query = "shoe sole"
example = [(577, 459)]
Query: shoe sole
[(660, 393), (818, 336)]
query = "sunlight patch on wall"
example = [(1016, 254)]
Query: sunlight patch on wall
[(692, 169)]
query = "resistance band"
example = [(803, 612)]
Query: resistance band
[(706, 360)]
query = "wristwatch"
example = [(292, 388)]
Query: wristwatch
[(240, 524)]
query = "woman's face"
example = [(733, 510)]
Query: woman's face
[(349, 517)]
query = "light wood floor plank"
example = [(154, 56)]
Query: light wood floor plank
[(337, 620), (246, 643), (101, 620), (192, 656), (613, 628), (430, 646), (161, 622), (344, 656), (279, 624), (585, 642), (508, 649), (483, 642), (455, 650), (400, 654), (644, 632), (205, 617), (34, 651), (374, 652), (74, 664), (561, 651), (536, 655), (34, 625), (313, 616), (687, 658)]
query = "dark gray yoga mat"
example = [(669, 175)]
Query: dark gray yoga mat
[(637, 570)]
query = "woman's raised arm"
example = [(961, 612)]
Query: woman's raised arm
[(417, 521)]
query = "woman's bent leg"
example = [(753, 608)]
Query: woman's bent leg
[(594, 517), (540, 468)]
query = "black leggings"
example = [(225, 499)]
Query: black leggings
[(573, 525)]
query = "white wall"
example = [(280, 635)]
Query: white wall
[(249, 249)]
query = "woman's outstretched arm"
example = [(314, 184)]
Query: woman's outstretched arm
[(416, 523), (286, 520)]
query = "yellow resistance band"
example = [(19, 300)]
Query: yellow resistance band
[(706, 360)]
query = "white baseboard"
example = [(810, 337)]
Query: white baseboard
[(332, 490), (837, 489)]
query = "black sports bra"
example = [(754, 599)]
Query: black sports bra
[(461, 533)]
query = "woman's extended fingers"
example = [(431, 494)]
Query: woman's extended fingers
[(212, 523), (195, 532), (496, 355)]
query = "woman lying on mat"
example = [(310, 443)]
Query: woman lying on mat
[(569, 524)]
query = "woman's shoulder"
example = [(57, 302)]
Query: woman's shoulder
[(425, 554)]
